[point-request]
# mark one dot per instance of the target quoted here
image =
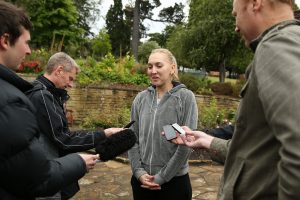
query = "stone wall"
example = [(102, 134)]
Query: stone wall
[(103, 101), (91, 101)]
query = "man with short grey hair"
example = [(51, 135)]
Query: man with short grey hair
[(49, 97), (63, 59)]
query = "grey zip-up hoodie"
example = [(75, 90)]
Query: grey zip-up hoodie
[(152, 153)]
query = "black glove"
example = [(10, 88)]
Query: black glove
[(116, 144)]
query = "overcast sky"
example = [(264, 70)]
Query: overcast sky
[(153, 26)]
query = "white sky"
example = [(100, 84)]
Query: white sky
[(153, 26)]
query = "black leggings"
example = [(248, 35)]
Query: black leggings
[(178, 187)]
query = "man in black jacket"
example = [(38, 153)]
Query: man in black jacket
[(49, 97), (25, 171)]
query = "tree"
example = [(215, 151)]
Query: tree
[(101, 44), (215, 26), (161, 38), (145, 50), (87, 14), (59, 23), (117, 29), (54, 21), (241, 59), (173, 14), (179, 44), (143, 10), (135, 29), (209, 38)]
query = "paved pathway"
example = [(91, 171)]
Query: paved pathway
[(111, 180)]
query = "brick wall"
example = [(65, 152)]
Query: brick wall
[(97, 101), (91, 101), (104, 101)]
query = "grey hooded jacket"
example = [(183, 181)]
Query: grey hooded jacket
[(152, 153)]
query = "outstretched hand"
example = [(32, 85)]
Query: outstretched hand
[(110, 131), (197, 139), (193, 139)]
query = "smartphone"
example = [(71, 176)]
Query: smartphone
[(178, 129), (169, 132), (129, 124)]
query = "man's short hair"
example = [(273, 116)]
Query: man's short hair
[(297, 14), (290, 2), (61, 59), (12, 21)]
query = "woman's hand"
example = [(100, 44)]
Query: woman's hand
[(148, 182)]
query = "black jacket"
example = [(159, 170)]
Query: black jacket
[(25, 171), (58, 140), (49, 102)]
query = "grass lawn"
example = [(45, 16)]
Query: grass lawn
[(216, 79)]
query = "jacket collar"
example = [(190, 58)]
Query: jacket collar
[(57, 92), (176, 85), (11, 77), (276, 27)]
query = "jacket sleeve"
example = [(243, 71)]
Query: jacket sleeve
[(24, 166), (134, 153), (218, 149), (278, 86), (6, 195), (71, 168), (178, 160), (52, 122)]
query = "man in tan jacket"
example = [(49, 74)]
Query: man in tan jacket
[(262, 160)]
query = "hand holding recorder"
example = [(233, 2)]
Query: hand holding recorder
[(193, 139), (170, 131)]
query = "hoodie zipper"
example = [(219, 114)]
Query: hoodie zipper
[(153, 124)]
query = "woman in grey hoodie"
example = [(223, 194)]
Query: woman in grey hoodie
[(160, 168)]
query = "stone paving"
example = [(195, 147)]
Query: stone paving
[(111, 180)]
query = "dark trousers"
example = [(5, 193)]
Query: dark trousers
[(178, 187)]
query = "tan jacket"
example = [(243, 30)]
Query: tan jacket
[(263, 158)]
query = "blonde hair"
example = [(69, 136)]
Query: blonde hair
[(171, 58)]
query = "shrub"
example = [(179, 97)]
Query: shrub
[(212, 116), (34, 62), (222, 88), (30, 67), (116, 119), (40, 55), (195, 84), (237, 87), (110, 70)]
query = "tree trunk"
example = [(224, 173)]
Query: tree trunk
[(135, 29), (222, 72), (60, 46), (52, 43)]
